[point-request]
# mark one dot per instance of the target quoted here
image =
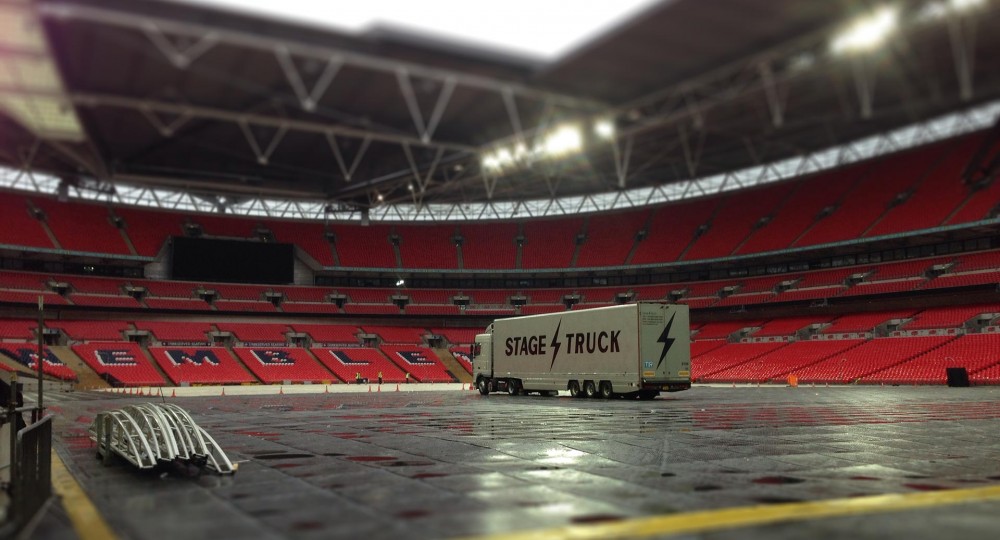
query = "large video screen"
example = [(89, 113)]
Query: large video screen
[(231, 261)]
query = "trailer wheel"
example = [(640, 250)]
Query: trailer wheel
[(512, 387), (605, 390), (590, 389), (574, 389), (484, 386)]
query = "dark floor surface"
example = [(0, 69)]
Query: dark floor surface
[(433, 465)]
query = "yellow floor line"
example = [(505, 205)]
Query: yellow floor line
[(87, 521), (749, 516)]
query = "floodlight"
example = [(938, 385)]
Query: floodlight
[(964, 5), (563, 140), (491, 162), (868, 32), (604, 129)]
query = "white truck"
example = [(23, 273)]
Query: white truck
[(632, 350)]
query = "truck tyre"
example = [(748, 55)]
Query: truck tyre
[(484, 386), (512, 387), (590, 389), (605, 390), (574, 389)]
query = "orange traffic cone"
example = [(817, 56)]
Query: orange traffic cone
[(281, 389), (223, 390), (173, 393), (326, 389), (397, 387)]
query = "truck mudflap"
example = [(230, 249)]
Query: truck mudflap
[(667, 386)]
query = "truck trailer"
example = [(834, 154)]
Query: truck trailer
[(632, 350)]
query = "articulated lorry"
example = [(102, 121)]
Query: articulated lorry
[(633, 350)]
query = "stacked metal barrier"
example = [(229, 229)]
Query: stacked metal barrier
[(151, 433)]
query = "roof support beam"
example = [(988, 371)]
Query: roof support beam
[(249, 40), (179, 58), (774, 101), (222, 115), (864, 85), (962, 33), (307, 98), (358, 156)]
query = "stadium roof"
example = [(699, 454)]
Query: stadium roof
[(105, 94)]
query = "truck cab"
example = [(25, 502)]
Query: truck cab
[(482, 360)]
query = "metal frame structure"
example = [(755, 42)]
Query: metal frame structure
[(870, 147), (148, 434), (725, 129)]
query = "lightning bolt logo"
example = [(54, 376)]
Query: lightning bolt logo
[(555, 344), (666, 340)]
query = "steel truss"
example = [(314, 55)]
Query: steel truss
[(675, 120), (152, 433)]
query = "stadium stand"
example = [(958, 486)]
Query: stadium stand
[(20, 226), (702, 346), (82, 227), (148, 230), (346, 363), (706, 365), (93, 285), (371, 309), (200, 365), (27, 355), (550, 243), (176, 331), (538, 309), (869, 357), (304, 294), (23, 281), (119, 363), (671, 229), (935, 196), (867, 200), (186, 304), (719, 330), (428, 246), (397, 334), (364, 247), (328, 333), (974, 352), (237, 306), (810, 196), (91, 330), (101, 300), (610, 238), (784, 361), (308, 237), (734, 220), (420, 362), (458, 336), (429, 296), (17, 329), (948, 317), (282, 365), (432, 310), (256, 332), (788, 326), (238, 292), (864, 322), (309, 307), (489, 246)]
